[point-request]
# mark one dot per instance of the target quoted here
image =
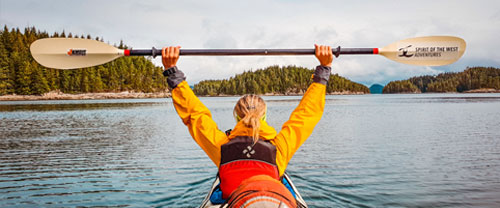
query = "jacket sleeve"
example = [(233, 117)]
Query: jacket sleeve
[(198, 119), (300, 125)]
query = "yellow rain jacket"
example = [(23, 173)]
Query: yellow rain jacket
[(293, 133)]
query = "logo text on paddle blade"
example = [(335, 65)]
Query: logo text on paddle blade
[(404, 52), (77, 52)]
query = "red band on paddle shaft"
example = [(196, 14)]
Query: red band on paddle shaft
[(126, 52), (375, 51)]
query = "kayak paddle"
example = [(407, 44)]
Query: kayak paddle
[(71, 53)]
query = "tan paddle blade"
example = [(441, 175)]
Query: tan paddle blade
[(425, 51), (72, 53)]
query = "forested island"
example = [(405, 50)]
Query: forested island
[(20, 74), (474, 79), (275, 80)]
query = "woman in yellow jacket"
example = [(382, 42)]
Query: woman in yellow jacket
[(253, 157)]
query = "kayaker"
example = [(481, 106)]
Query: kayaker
[(253, 156)]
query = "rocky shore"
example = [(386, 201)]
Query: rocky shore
[(56, 95), (483, 90)]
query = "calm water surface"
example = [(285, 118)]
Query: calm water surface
[(438, 150)]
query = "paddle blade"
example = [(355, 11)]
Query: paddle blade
[(72, 53), (425, 51)]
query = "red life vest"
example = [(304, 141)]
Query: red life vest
[(242, 159)]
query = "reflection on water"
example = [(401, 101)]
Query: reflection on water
[(438, 150)]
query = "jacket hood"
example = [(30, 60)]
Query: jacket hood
[(266, 132)]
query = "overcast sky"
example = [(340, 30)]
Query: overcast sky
[(273, 24)]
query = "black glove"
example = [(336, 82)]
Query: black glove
[(322, 74), (174, 76)]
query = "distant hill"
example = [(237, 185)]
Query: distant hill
[(275, 80), (376, 89), (478, 79)]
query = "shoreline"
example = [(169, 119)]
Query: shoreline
[(287, 94), (482, 90), (55, 95)]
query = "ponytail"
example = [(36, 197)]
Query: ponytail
[(250, 110), (252, 120)]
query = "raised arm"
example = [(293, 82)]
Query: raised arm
[(305, 117), (193, 113)]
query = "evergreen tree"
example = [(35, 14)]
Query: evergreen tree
[(23, 81), (5, 82), (39, 84)]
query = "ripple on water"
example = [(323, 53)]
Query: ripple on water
[(367, 151)]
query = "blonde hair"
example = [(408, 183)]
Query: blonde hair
[(250, 109)]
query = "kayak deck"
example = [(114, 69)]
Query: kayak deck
[(214, 197)]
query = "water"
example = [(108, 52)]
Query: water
[(437, 150)]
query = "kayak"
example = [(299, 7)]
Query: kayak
[(214, 196)]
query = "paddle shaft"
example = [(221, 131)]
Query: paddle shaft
[(250, 52)]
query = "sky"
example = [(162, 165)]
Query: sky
[(273, 24)]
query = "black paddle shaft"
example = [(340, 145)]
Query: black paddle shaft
[(251, 52)]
